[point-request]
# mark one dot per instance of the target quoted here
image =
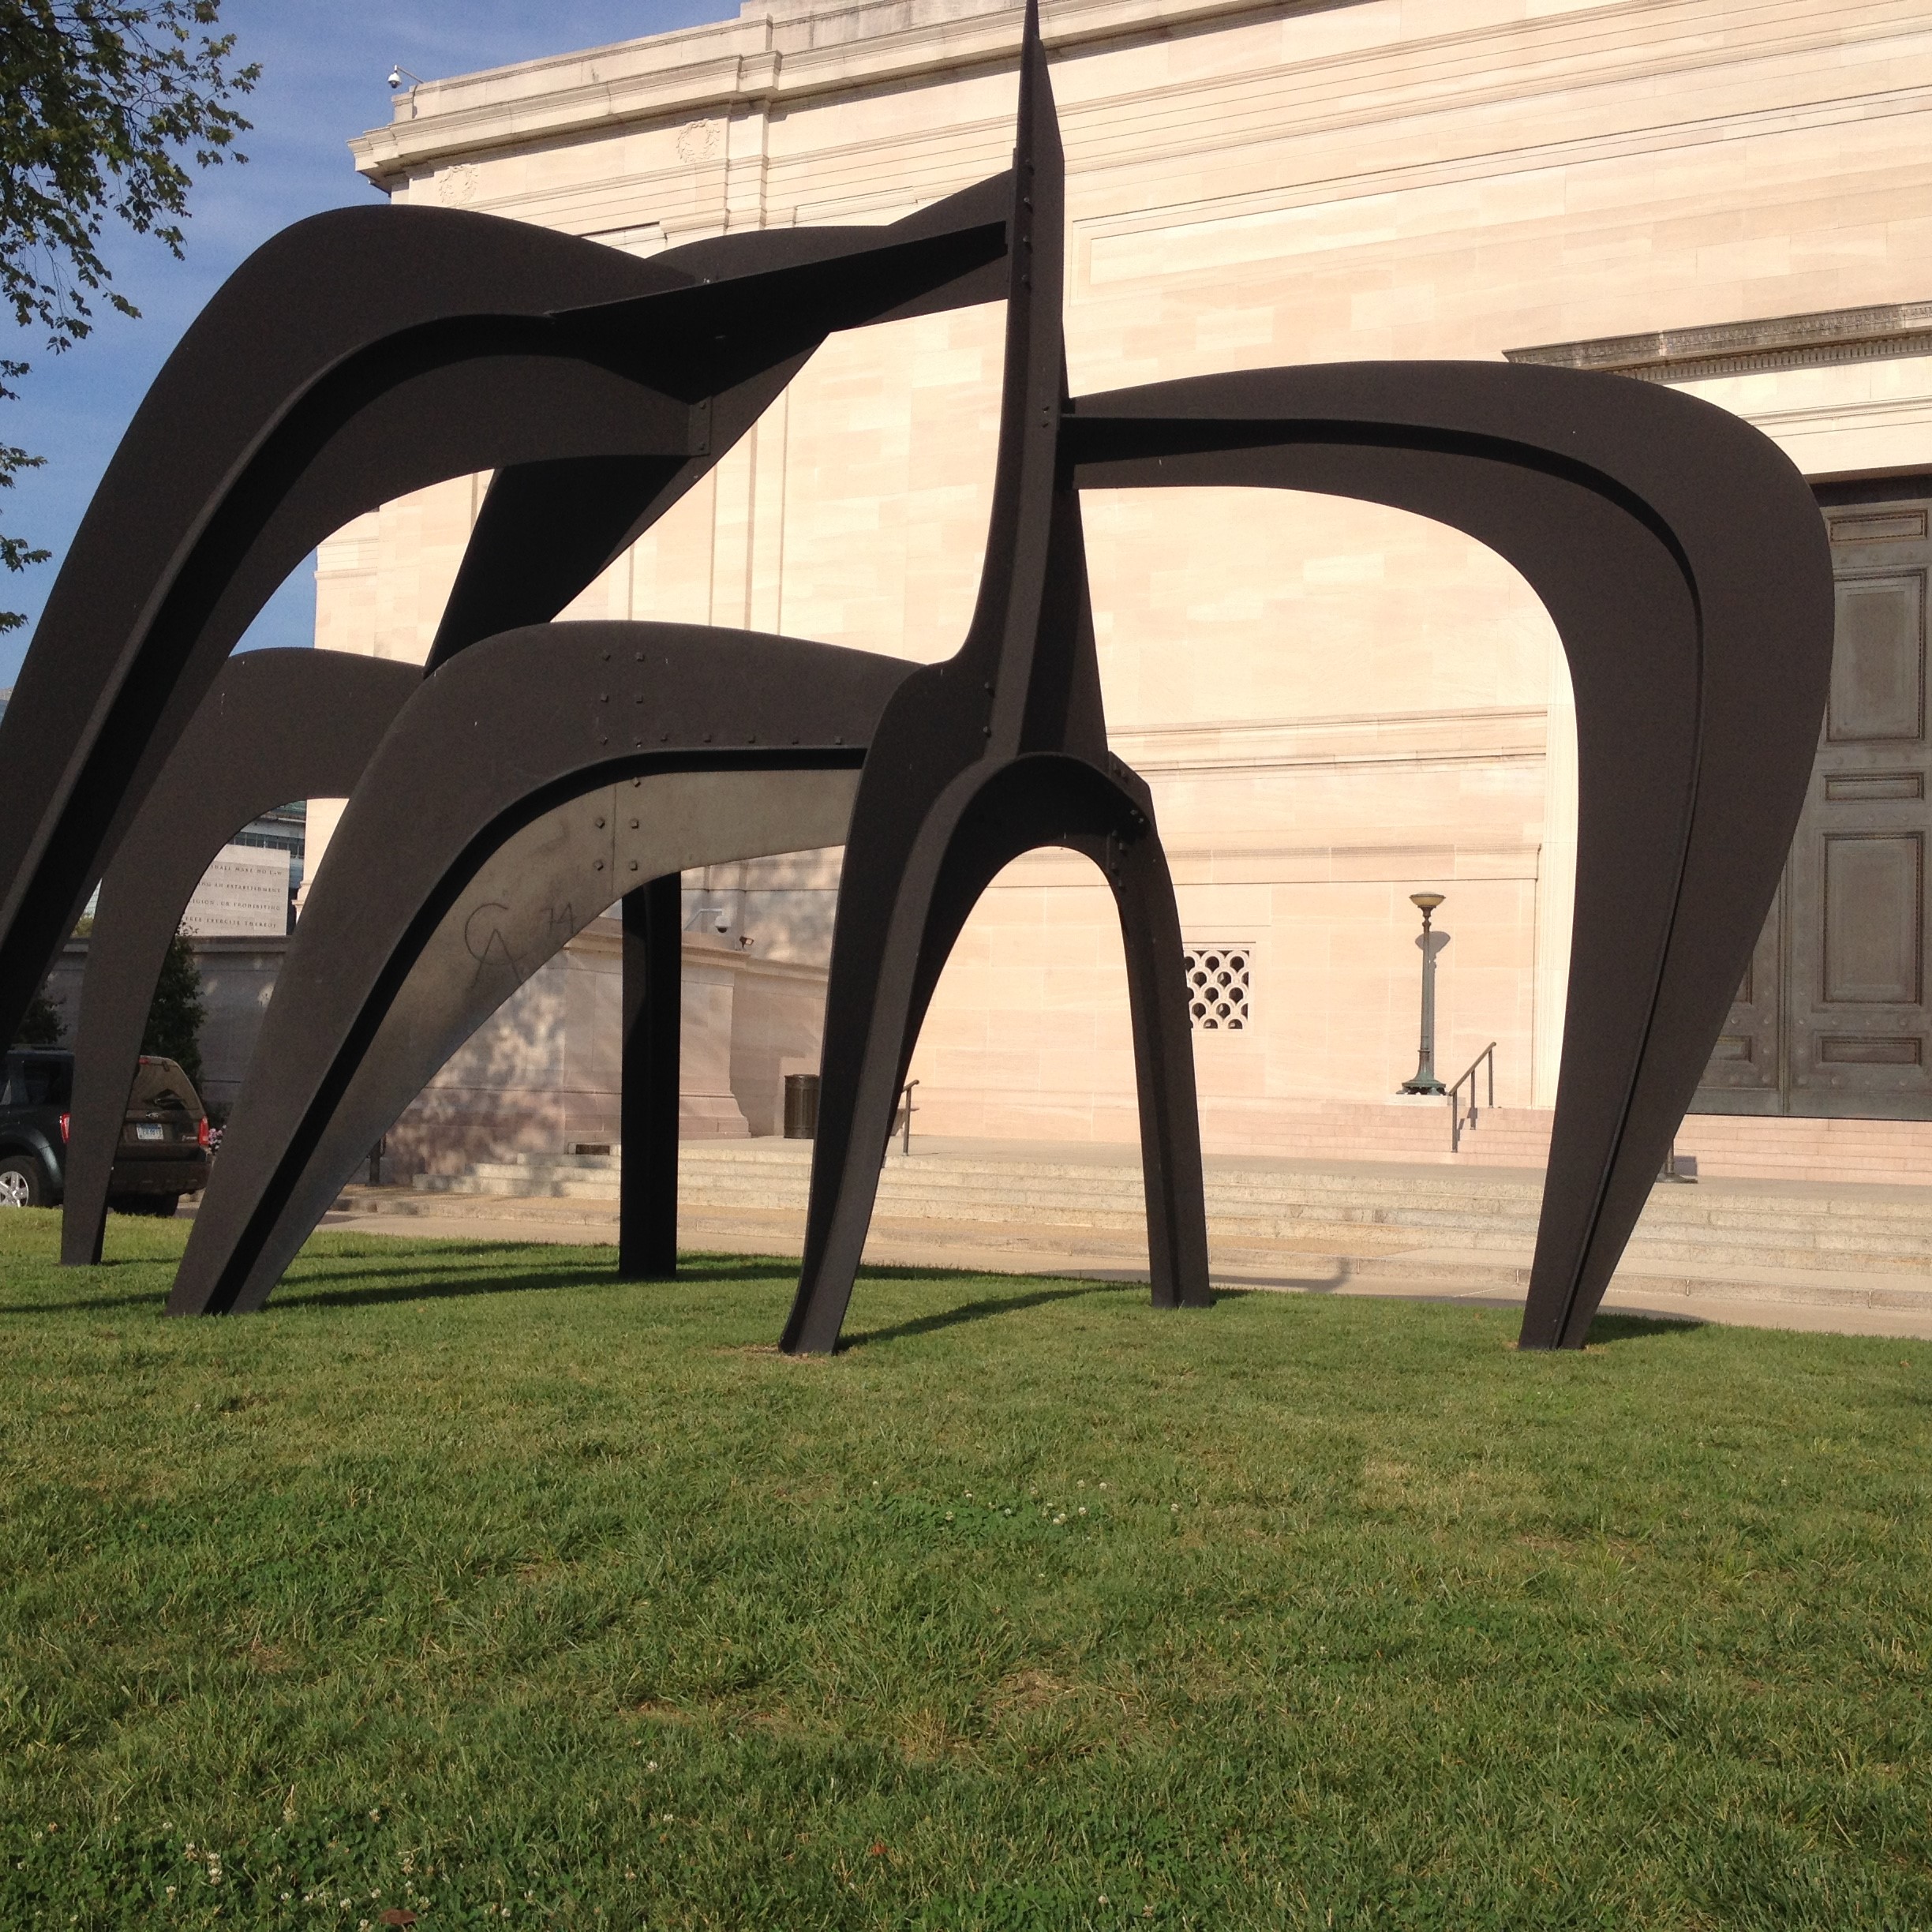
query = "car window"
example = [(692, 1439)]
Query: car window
[(40, 1083), (161, 1083)]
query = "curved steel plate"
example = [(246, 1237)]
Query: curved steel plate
[(358, 354), (530, 897), (500, 735), (277, 725), (1683, 562)]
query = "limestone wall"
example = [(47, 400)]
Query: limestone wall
[(543, 1073), (1336, 705)]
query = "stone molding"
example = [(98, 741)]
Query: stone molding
[(1487, 734), (1249, 859), (758, 60), (1828, 338), (1199, 216), (773, 57)]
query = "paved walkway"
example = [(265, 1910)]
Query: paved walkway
[(1387, 1261)]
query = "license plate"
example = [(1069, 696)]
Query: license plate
[(145, 1130)]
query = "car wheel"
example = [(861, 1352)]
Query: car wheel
[(161, 1206), (21, 1185)]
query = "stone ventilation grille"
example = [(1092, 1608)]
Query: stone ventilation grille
[(1219, 987)]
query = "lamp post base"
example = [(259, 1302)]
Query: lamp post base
[(1430, 1086)]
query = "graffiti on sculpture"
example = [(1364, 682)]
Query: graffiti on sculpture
[(531, 765)]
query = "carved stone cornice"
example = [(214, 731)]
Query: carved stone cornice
[(1830, 336), (766, 58), (1487, 734), (778, 54)]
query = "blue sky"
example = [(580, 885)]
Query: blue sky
[(324, 64)]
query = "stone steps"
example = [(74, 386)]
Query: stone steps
[(1380, 1261), (1730, 1145), (1418, 1131), (1483, 1220)]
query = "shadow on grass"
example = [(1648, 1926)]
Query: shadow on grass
[(762, 1266), (405, 1268), (454, 1273), (983, 1310), (325, 1290), (1610, 1328), (724, 1268), (329, 1291), (352, 1281), (89, 1305)]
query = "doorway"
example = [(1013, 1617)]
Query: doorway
[(1832, 1018)]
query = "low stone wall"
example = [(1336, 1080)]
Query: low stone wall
[(542, 1075)]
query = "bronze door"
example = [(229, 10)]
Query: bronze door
[(1832, 1018)]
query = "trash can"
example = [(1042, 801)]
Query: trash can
[(801, 1106)]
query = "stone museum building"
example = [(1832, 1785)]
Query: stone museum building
[(1337, 705)]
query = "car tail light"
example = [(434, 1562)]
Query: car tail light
[(201, 1131), (64, 1120)]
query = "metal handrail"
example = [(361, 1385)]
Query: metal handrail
[(902, 1119), (1456, 1122)]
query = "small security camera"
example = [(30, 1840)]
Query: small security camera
[(724, 926), (399, 74)]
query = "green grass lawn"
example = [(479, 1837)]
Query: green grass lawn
[(468, 1582)]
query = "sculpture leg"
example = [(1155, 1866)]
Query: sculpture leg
[(879, 990), (116, 990), (90, 1164), (652, 1015), (1171, 1155), (1683, 563), (870, 995), (276, 724)]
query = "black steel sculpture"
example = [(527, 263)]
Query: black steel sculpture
[(277, 724), (425, 914), (540, 771), (365, 353), (651, 1048), (1000, 749), (259, 437), (1683, 562)]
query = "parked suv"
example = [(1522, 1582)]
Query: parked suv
[(163, 1152)]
